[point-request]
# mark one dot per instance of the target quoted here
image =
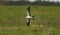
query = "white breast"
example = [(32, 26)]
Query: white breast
[(29, 17)]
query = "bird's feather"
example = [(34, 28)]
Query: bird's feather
[(28, 11), (28, 22)]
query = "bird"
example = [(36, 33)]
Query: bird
[(29, 17)]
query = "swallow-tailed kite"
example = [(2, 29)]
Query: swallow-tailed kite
[(29, 17)]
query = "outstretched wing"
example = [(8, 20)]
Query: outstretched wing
[(28, 22), (28, 11)]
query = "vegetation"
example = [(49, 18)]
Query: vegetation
[(13, 21)]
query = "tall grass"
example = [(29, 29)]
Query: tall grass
[(13, 21)]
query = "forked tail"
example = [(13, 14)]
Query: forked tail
[(33, 17)]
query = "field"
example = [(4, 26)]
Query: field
[(13, 20)]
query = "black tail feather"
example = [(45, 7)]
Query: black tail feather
[(33, 17)]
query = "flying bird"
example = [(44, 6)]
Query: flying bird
[(29, 17)]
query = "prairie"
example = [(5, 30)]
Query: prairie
[(13, 20)]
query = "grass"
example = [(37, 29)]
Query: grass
[(13, 21)]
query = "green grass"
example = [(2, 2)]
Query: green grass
[(13, 21)]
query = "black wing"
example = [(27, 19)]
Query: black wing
[(28, 22), (28, 11)]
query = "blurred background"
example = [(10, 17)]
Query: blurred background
[(26, 2)]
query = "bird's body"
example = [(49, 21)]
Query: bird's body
[(29, 17)]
